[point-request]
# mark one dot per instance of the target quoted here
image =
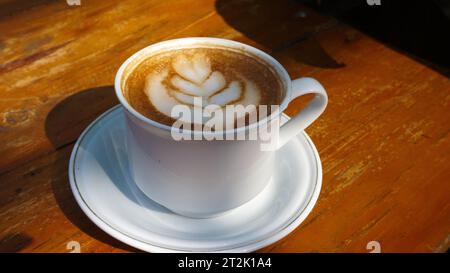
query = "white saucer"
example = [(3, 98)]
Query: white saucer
[(101, 185)]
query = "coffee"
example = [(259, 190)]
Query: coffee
[(216, 76)]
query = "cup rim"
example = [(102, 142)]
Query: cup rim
[(183, 42)]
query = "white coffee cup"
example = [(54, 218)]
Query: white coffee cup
[(207, 178)]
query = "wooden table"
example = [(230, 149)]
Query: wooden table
[(384, 139)]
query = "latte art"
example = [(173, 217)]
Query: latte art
[(192, 78), (215, 77)]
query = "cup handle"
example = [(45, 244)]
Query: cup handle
[(309, 114)]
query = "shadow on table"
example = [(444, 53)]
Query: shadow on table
[(63, 125), (14, 242), (296, 35), (71, 116), (418, 29), (10, 7)]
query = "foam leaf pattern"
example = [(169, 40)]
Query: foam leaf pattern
[(195, 70), (194, 78)]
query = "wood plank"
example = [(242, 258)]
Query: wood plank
[(79, 52), (40, 214), (35, 54), (383, 140), (384, 146)]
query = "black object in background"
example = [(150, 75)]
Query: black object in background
[(419, 28)]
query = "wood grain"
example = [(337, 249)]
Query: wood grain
[(384, 139)]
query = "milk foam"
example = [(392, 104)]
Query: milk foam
[(192, 77)]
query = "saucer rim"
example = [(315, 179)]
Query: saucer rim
[(292, 223)]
